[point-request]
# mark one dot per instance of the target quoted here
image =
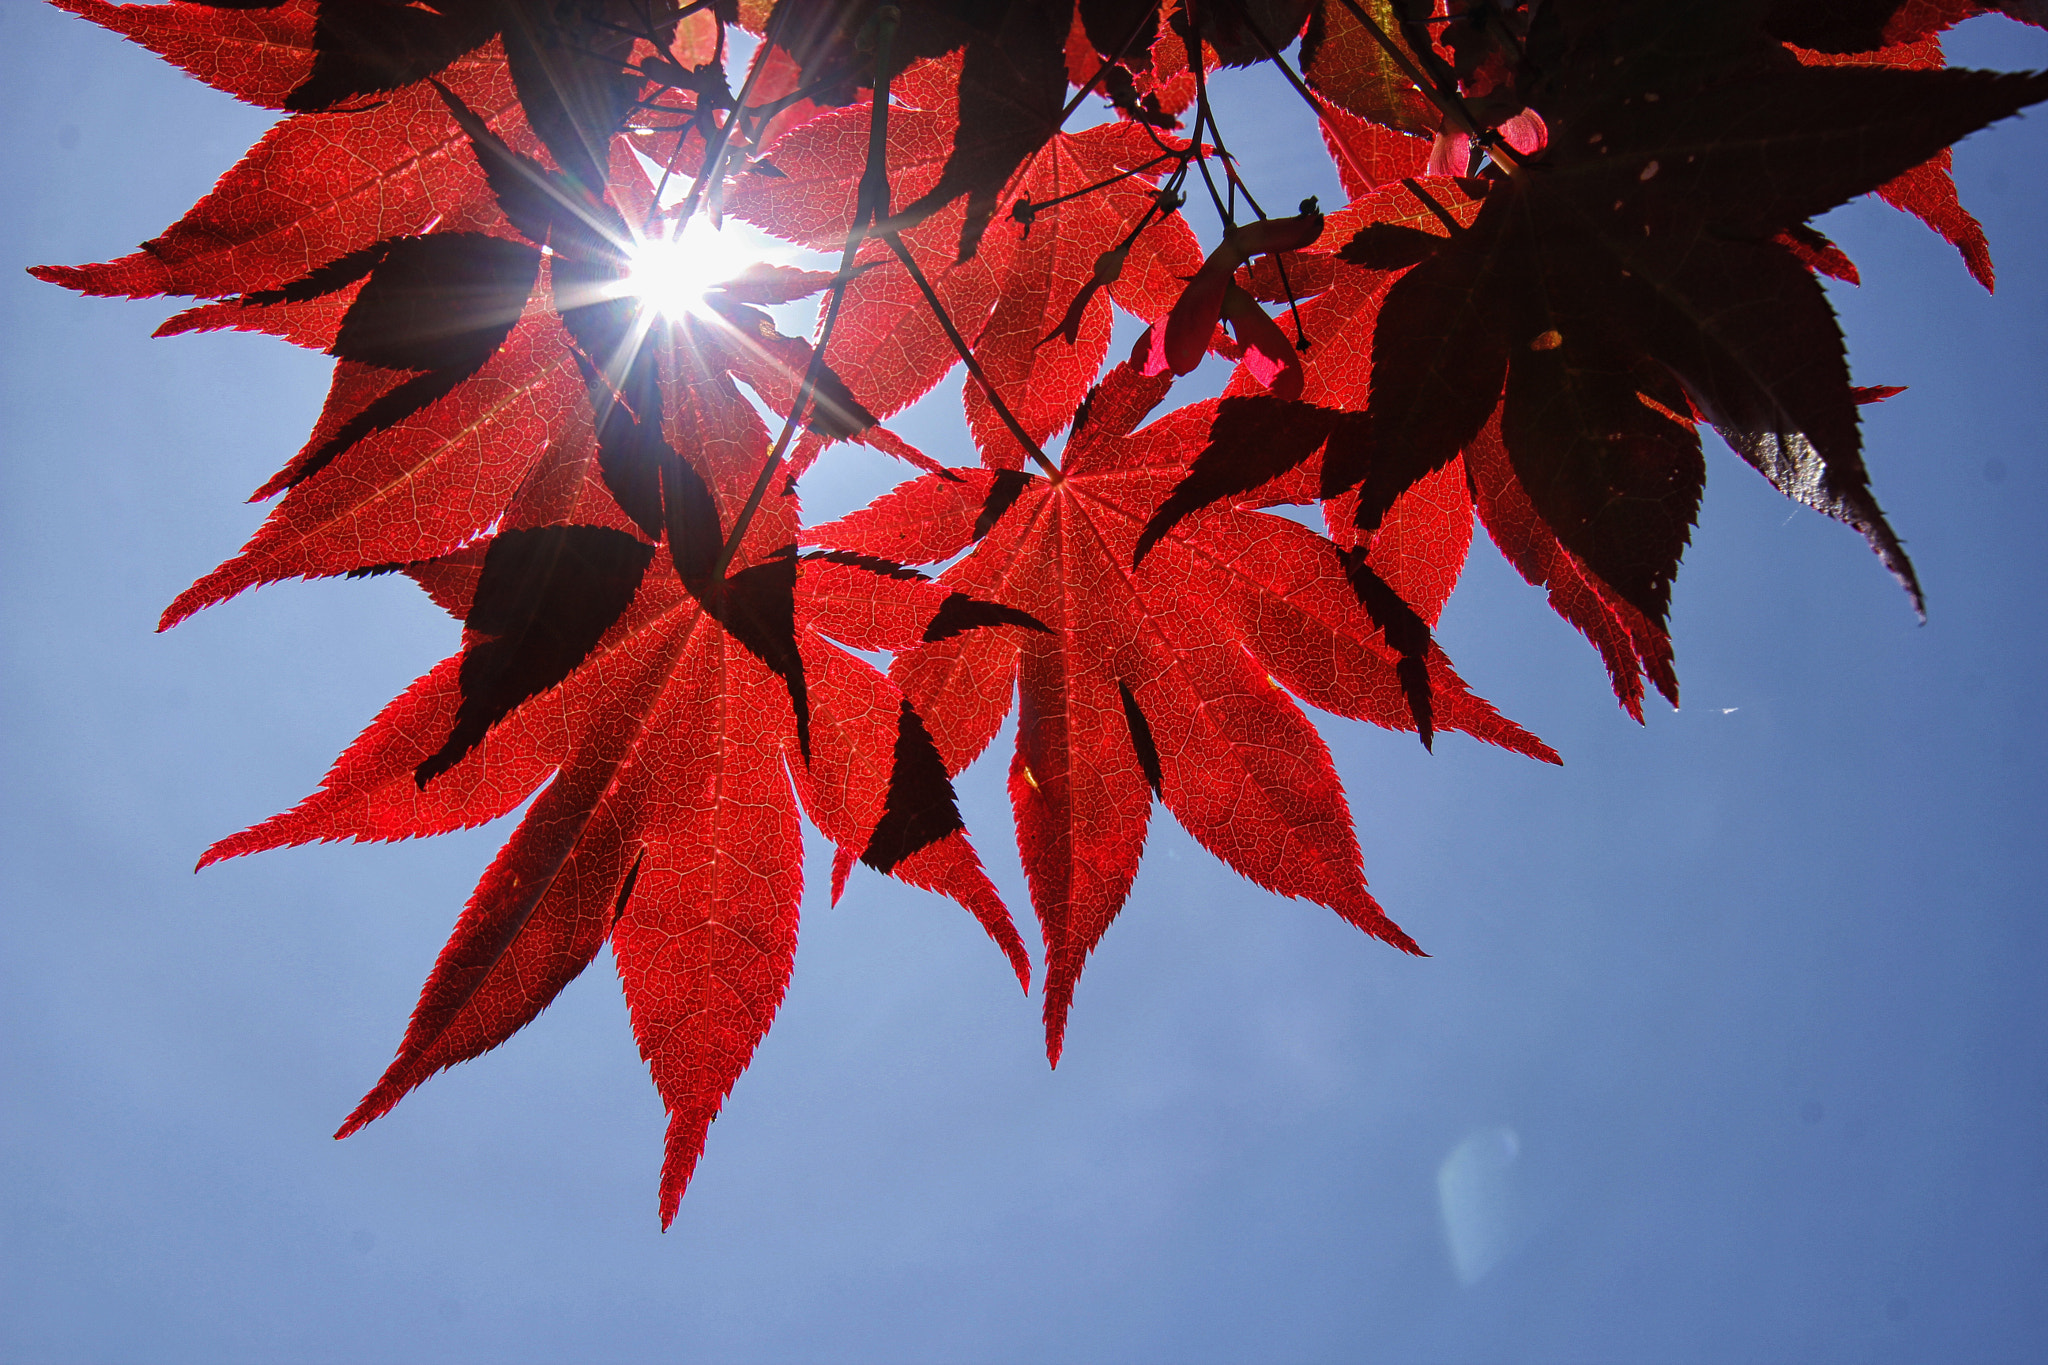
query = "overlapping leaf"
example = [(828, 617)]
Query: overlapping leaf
[(669, 746), (1342, 59), (1928, 190), (318, 186), (1165, 679), (1640, 248)]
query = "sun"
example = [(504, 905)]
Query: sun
[(671, 273)]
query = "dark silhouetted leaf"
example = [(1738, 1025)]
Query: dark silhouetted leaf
[(921, 809), (959, 612), (443, 302), (1253, 440), (1388, 246), (545, 599), (367, 47)]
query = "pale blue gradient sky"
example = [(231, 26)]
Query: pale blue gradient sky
[(1756, 987)]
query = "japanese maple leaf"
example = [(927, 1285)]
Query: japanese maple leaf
[(318, 185), (1417, 546), (472, 359), (1166, 680), (453, 378), (1416, 549), (670, 742), (451, 209), (1641, 249), (494, 373), (420, 477), (567, 62), (456, 382)]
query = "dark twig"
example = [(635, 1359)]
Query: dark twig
[(1043, 204), (966, 354), (715, 146), (1313, 100)]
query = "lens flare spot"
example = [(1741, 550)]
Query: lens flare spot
[(670, 274)]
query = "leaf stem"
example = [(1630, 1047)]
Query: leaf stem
[(1059, 199), (1310, 97), (966, 354), (1203, 115)]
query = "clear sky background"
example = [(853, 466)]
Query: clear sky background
[(1734, 1045)]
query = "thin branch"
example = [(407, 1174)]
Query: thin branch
[(1203, 114), (1207, 113), (1054, 202), (715, 146), (1313, 100)]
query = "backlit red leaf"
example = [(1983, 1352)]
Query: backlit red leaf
[(1182, 660)]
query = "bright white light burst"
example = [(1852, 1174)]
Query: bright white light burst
[(671, 274)]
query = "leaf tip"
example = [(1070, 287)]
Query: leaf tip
[(356, 1120), (1058, 996), (842, 864), (1390, 932)]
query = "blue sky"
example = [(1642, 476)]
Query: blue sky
[(1732, 1045)]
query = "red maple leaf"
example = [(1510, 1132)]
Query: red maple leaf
[(1363, 250), (1640, 254), (1344, 62), (671, 743), (292, 204), (1168, 679)]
